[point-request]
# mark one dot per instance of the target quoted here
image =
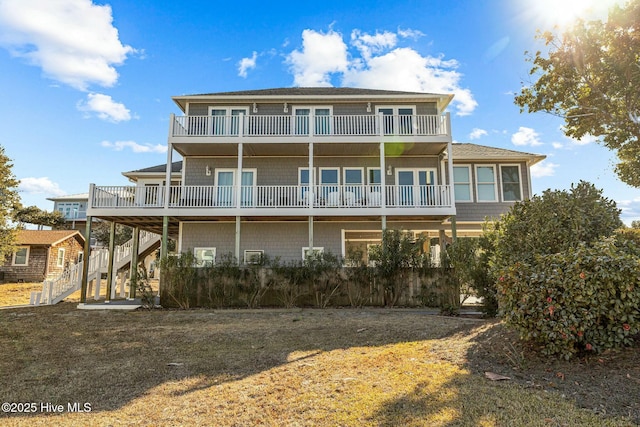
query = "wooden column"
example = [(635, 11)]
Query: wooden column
[(85, 256), (112, 239), (133, 268)]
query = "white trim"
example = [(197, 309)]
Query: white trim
[(60, 262), (228, 118), (470, 183), (331, 168), (250, 252), (368, 180), (311, 126), (26, 258), (495, 183), (519, 182), (202, 262)]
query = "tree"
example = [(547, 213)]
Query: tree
[(554, 222), (590, 78), (102, 229), (9, 199), (37, 216)]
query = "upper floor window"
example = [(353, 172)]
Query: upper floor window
[(462, 183), (398, 120), (72, 210), (511, 185), (226, 120), (486, 183), (21, 256), (320, 116)]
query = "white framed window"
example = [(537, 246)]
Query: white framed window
[(398, 119), (253, 256), (303, 183), (315, 252), (205, 256), (486, 187), (21, 256), (414, 187), (60, 257), (319, 116), (226, 120), (353, 180), (329, 185), (511, 183), (462, 183), (226, 182)]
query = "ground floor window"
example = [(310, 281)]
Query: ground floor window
[(314, 252), (253, 256), (60, 257), (21, 256), (205, 256)]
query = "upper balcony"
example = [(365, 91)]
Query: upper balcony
[(305, 128), (274, 200)]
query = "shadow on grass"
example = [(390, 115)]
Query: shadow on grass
[(111, 359)]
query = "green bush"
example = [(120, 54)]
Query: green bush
[(584, 299)]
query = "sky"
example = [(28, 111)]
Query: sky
[(87, 86)]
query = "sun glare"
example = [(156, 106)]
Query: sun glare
[(563, 13)]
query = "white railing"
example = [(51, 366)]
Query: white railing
[(288, 125), (283, 196)]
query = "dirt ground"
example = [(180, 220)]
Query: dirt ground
[(608, 383)]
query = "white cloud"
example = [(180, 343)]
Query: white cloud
[(247, 64), (477, 133), (134, 146), (377, 62), (557, 145), (410, 34), (73, 41), (321, 55), (543, 168), (585, 140), (526, 136), (41, 185), (105, 108)]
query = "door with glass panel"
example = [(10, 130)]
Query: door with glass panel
[(329, 181), (226, 192), (226, 121), (415, 187), (397, 120), (353, 186)]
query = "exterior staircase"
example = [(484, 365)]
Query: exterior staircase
[(59, 288)]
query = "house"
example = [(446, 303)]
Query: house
[(42, 254), (287, 172), (74, 209)]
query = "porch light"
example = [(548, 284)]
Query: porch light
[(207, 170), (389, 170), (368, 107), (255, 107), (286, 110)]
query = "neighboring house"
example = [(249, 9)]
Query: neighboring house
[(74, 209), (42, 254), (283, 172)]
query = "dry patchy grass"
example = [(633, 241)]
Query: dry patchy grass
[(371, 367), (17, 293)]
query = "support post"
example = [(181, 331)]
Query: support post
[(112, 238), (167, 185), (85, 256), (133, 268), (239, 177), (383, 167), (312, 181), (238, 240), (310, 234), (454, 229)]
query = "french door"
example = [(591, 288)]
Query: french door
[(415, 186), (226, 183)]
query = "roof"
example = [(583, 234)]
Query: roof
[(46, 237), (468, 151), (80, 196), (176, 168), (315, 93)]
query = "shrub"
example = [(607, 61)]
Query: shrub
[(179, 280), (584, 299)]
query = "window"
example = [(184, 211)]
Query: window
[(60, 258), (486, 183), (72, 210), (21, 256), (321, 117), (462, 183), (315, 252), (329, 181), (511, 188), (205, 256), (226, 191), (398, 120), (253, 256), (303, 183), (226, 120)]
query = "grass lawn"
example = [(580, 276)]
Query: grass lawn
[(19, 293), (371, 367)]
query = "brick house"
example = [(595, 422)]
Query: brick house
[(41, 254)]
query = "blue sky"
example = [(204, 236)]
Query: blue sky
[(87, 85)]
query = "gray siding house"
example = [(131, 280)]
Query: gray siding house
[(283, 172)]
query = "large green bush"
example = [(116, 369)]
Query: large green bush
[(586, 298)]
